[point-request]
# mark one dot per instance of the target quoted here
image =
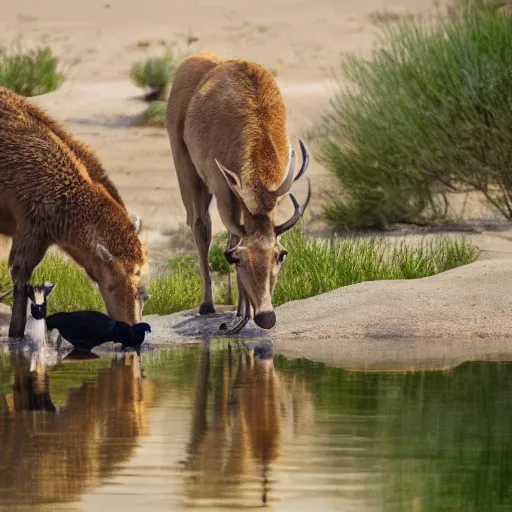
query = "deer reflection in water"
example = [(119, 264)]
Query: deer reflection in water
[(55, 458), (254, 406)]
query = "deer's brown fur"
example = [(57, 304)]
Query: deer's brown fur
[(53, 190), (227, 126)]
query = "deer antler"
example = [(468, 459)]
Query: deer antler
[(286, 185), (297, 214)]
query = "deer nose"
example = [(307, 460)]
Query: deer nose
[(265, 320)]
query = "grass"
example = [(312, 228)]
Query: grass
[(155, 74), (333, 263), (155, 115), (429, 113), (30, 73), (328, 264)]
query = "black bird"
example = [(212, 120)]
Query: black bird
[(88, 329)]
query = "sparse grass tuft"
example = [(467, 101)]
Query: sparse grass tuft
[(74, 290), (155, 74), (314, 266), (30, 73), (384, 17), (155, 115), (333, 263), (179, 290)]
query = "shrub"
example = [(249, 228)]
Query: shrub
[(429, 112), (154, 74), (30, 73), (155, 115)]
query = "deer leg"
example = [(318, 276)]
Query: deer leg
[(196, 199), (233, 241), (26, 253), (202, 230)]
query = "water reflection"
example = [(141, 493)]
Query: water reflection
[(228, 426), (51, 454), (230, 454)]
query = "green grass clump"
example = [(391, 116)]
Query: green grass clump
[(73, 291), (314, 266), (155, 115), (177, 291), (155, 73), (333, 263), (30, 73), (429, 113)]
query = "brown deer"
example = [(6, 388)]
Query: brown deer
[(53, 190), (227, 127)]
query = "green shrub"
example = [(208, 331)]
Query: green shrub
[(155, 74), (30, 73), (155, 115), (430, 112)]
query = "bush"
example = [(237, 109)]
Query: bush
[(155, 74), (30, 73), (429, 113), (155, 115)]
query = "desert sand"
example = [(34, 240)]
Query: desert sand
[(432, 323)]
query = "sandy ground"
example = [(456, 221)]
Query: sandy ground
[(433, 323)]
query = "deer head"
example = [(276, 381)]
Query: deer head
[(259, 255), (120, 274)]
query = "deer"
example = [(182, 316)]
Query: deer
[(54, 191), (226, 122)]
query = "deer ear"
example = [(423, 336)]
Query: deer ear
[(233, 180), (103, 252), (137, 222)]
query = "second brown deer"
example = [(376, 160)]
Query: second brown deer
[(54, 191), (227, 127)]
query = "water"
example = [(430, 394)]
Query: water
[(217, 429)]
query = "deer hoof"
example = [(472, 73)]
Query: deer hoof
[(206, 309)]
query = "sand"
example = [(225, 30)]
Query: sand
[(432, 323)]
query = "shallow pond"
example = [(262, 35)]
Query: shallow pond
[(217, 428)]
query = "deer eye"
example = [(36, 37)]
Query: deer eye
[(231, 259), (282, 255)]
